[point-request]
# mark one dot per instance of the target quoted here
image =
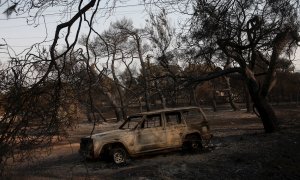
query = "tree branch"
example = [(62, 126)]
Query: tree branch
[(214, 75), (56, 36)]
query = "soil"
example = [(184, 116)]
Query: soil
[(239, 150)]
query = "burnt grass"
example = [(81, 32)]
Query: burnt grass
[(239, 150)]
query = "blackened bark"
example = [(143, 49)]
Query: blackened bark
[(161, 96), (264, 109), (116, 81), (247, 98), (266, 112), (229, 93), (144, 72)]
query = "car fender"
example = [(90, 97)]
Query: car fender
[(190, 132), (98, 145)]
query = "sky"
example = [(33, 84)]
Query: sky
[(19, 35)]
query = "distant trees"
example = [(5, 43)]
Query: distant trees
[(161, 36), (253, 35), (121, 47), (287, 89), (249, 36)]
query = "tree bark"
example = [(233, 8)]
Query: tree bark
[(247, 98), (264, 109), (144, 72), (116, 81), (112, 100), (161, 96), (229, 93), (114, 104)]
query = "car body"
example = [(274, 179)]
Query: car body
[(151, 131)]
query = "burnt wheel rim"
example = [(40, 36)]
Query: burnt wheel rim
[(195, 145), (118, 157)]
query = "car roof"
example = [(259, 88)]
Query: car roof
[(166, 110)]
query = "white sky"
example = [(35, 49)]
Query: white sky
[(20, 36)]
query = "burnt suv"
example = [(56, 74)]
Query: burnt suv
[(166, 129)]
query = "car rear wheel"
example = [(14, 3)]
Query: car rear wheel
[(193, 143), (119, 155)]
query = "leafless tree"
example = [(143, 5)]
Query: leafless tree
[(162, 35), (39, 100), (121, 45), (250, 33), (253, 34), (140, 48)]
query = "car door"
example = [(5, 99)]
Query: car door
[(174, 128), (151, 134)]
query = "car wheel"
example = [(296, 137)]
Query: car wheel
[(119, 155), (193, 143)]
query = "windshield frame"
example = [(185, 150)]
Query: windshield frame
[(129, 118)]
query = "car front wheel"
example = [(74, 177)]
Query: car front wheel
[(119, 155)]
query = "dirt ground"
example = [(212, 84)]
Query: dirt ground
[(239, 150)]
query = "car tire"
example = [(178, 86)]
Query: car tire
[(119, 155), (193, 143)]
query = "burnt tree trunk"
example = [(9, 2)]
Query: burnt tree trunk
[(115, 106), (144, 72), (247, 98), (229, 93), (228, 86), (161, 96), (265, 112), (119, 91), (262, 106)]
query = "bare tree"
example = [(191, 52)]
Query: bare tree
[(140, 49), (38, 99), (121, 45), (250, 34), (161, 34)]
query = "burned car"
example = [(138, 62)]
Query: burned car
[(153, 131)]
